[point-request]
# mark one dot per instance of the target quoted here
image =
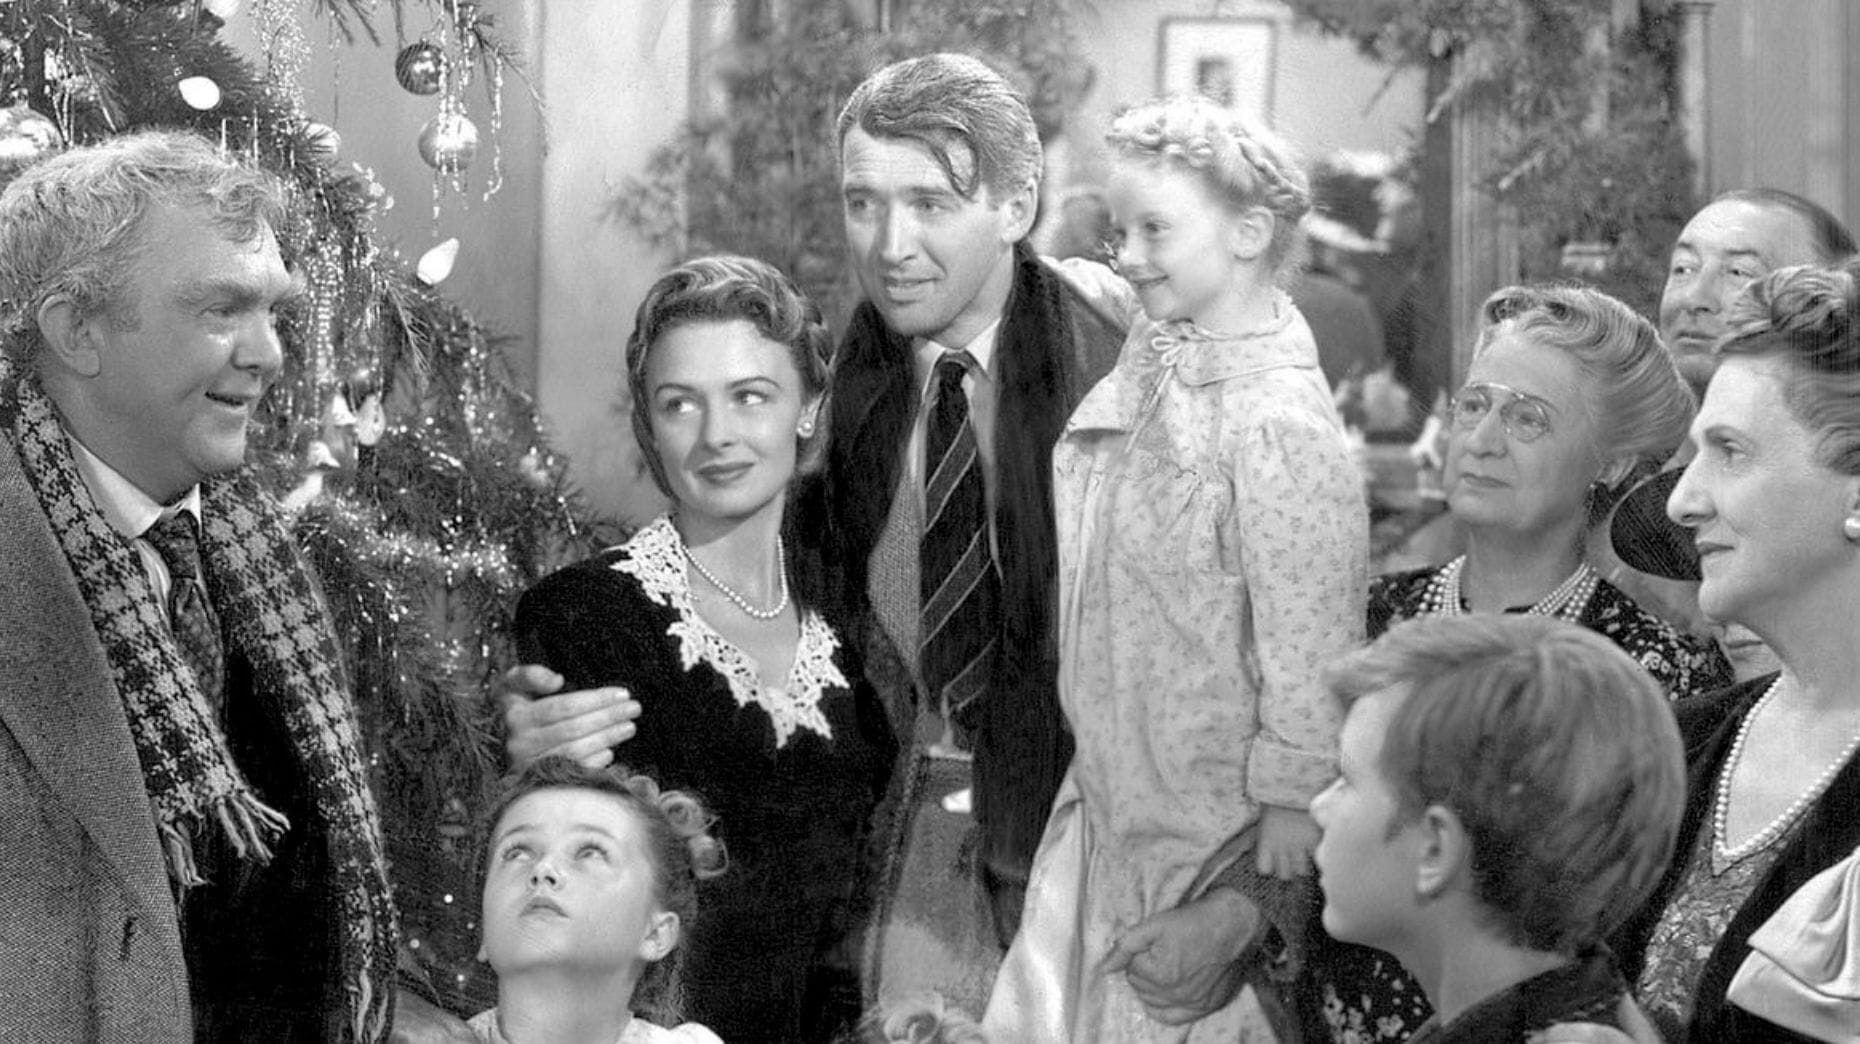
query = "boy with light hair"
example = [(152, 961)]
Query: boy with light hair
[(1511, 790)]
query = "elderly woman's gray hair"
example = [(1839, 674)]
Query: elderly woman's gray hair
[(1642, 406), (1810, 317)]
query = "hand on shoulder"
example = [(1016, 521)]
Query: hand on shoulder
[(584, 725)]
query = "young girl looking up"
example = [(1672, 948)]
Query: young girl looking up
[(590, 880), (1213, 555)]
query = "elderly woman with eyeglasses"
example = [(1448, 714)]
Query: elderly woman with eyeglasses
[(1569, 400)]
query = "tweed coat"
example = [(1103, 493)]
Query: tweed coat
[(90, 947)]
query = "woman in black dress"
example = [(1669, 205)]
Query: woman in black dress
[(748, 696)]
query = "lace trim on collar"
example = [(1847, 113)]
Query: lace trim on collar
[(656, 559)]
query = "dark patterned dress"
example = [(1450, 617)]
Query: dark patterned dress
[(1368, 997), (792, 773), (1684, 665)]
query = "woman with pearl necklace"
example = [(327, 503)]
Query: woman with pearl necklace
[(1570, 397), (1773, 502)]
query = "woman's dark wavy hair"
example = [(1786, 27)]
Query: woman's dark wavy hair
[(1806, 315), (719, 289), (678, 846)]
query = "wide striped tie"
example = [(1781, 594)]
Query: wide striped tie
[(195, 625), (961, 590)]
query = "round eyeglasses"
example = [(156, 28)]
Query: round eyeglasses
[(1526, 417)]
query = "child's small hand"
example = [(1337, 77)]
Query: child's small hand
[(1286, 838)]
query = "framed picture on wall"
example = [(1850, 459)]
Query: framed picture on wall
[(1230, 60)]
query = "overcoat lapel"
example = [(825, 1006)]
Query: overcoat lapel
[(60, 704)]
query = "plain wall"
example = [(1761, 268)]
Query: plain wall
[(617, 76), (1785, 99), (1325, 95)]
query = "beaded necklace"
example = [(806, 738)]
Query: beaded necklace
[(781, 571), (1723, 854), (1569, 598)]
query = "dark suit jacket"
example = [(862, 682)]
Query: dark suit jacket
[(856, 524), (1707, 725)]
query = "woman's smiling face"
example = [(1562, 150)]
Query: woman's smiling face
[(1766, 515), (1175, 244), (727, 408)]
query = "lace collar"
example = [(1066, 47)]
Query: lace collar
[(655, 557)]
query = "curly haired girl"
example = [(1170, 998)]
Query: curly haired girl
[(590, 877), (1213, 545)]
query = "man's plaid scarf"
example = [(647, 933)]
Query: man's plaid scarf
[(273, 615)]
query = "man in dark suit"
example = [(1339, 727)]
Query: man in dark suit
[(931, 530), (961, 367), (188, 847)]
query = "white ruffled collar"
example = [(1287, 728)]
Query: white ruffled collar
[(655, 557)]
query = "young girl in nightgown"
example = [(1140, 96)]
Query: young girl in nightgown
[(1213, 555)]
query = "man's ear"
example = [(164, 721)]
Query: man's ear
[(71, 337), (662, 934), (1018, 209), (1249, 233), (1446, 852)]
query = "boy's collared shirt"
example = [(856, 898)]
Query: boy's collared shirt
[(1587, 989)]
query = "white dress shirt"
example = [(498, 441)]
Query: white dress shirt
[(131, 512)]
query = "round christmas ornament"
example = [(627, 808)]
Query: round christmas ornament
[(449, 142), (420, 67), (25, 138), (321, 144)]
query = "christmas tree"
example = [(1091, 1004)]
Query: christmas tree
[(423, 490)]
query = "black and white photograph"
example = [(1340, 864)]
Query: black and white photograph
[(929, 522)]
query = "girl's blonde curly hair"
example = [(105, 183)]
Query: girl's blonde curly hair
[(1245, 164)]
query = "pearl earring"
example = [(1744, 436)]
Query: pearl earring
[(1850, 528), (805, 428)]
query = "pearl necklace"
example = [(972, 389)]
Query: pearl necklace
[(1567, 600), (781, 571), (1769, 835)]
